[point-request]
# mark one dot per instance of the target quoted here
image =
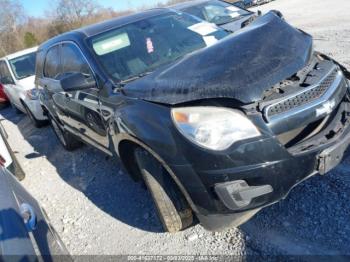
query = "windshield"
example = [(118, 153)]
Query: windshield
[(140, 47), (217, 12), (23, 66)]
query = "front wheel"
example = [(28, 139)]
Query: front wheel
[(68, 141), (173, 209)]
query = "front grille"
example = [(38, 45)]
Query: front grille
[(310, 94)]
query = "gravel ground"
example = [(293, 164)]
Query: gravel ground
[(97, 209), (94, 206)]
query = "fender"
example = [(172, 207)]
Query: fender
[(148, 122), (126, 137)]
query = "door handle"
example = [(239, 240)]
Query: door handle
[(29, 217)]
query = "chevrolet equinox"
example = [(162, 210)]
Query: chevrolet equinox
[(217, 125)]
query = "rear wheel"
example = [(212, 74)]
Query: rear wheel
[(173, 209), (68, 141)]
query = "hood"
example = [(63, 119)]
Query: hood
[(241, 66), (27, 83)]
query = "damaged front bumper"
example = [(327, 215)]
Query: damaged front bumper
[(254, 174), (333, 155)]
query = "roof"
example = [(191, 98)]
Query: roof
[(21, 53), (107, 25)]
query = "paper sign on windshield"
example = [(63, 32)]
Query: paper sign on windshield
[(233, 8), (234, 11), (111, 44), (203, 28), (234, 14), (210, 40)]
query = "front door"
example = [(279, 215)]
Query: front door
[(82, 109)]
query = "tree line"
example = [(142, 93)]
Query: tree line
[(19, 31)]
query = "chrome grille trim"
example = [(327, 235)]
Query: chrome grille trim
[(309, 97)]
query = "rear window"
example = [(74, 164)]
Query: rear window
[(5, 74)]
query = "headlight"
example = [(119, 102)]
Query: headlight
[(213, 127), (33, 94)]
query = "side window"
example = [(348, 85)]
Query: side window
[(5, 74), (73, 61), (52, 62)]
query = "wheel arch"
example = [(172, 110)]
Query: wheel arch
[(125, 150)]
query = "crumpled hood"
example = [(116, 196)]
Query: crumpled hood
[(242, 66)]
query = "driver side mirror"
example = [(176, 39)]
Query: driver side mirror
[(77, 81)]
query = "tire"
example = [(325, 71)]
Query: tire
[(172, 207), (37, 123), (68, 141)]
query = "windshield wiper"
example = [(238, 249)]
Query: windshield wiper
[(121, 84), (133, 78)]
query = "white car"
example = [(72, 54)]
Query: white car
[(7, 157), (17, 74)]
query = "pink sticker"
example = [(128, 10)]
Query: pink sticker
[(149, 43)]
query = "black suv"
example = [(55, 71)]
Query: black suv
[(218, 125)]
